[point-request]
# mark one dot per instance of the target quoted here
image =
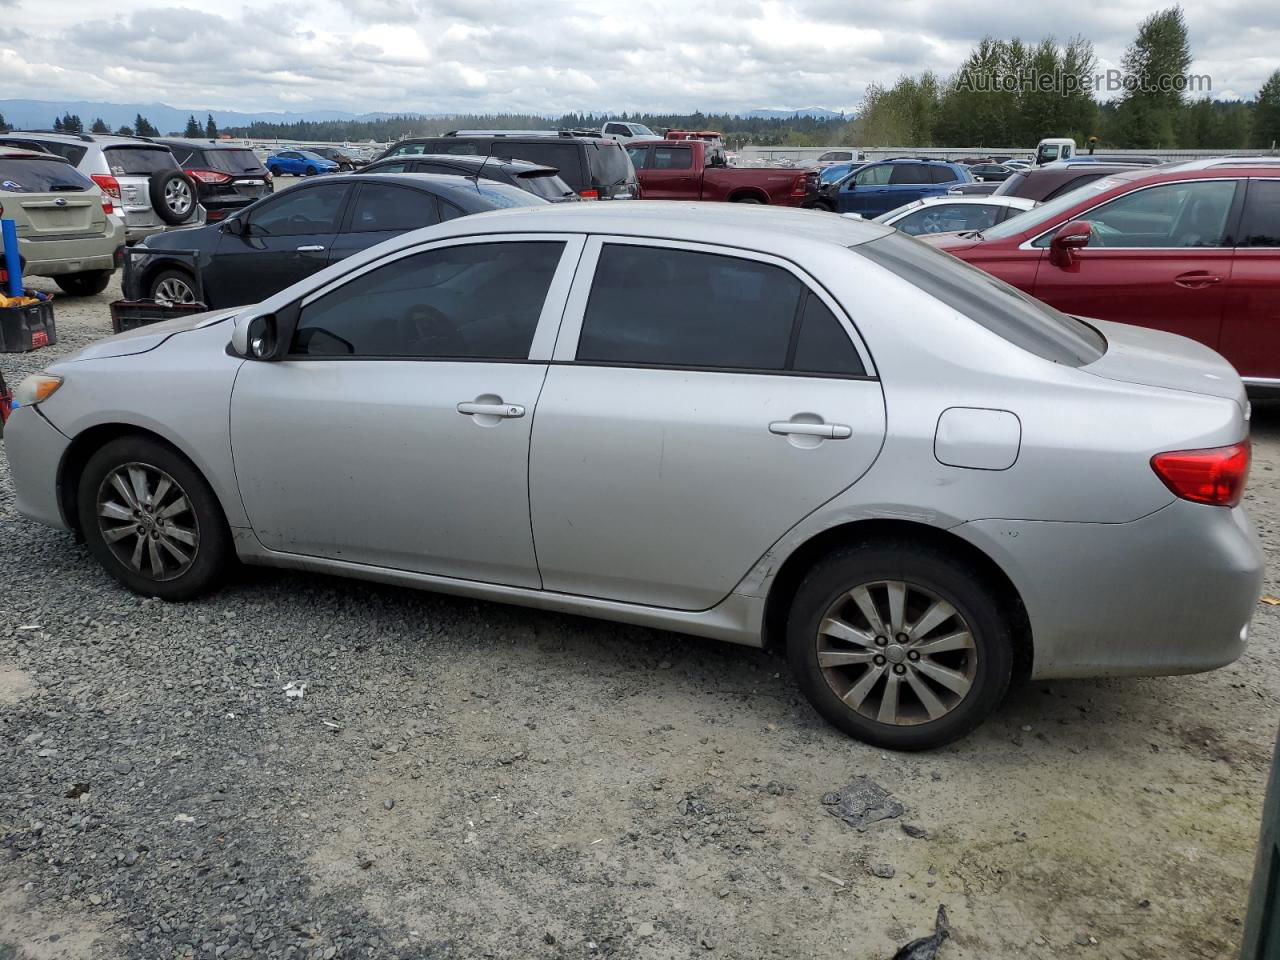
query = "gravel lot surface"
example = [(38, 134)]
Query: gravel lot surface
[(464, 780)]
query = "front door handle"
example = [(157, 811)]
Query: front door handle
[(505, 410), (827, 431), (312, 248), (1196, 278)]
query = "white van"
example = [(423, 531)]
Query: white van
[(1052, 149)]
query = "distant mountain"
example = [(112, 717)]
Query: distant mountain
[(820, 112), (39, 114)]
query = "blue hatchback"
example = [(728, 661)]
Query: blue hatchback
[(880, 187), (300, 163)]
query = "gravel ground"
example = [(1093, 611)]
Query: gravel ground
[(463, 780)]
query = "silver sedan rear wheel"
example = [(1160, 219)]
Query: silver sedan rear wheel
[(147, 521), (896, 653)]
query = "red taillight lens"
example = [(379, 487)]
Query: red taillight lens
[(798, 189), (1215, 476), (209, 176), (110, 185), (590, 194)]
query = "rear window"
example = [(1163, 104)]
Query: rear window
[(230, 161), (1004, 310), (139, 161), (610, 165), (500, 195), (34, 175), (562, 156), (548, 186)]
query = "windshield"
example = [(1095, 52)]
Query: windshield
[(640, 130), (37, 175), (837, 171), (610, 165), (139, 161), (1004, 310), (233, 161), (1047, 152), (1047, 212), (544, 184), (1010, 185)]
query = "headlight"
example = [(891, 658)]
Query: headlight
[(37, 387)]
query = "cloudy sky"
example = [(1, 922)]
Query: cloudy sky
[(437, 56)]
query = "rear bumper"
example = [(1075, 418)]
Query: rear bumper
[(34, 450), (51, 258), (1170, 593)]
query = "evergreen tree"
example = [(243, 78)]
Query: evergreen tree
[(71, 123), (57, 124), (1266, 114), (193, 128), (143, 128), (99, 126), (124, 132), (4, 125), (210, 128), (1155, 66)]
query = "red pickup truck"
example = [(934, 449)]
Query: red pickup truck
[(697, 170)]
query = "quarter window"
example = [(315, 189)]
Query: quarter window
[(479, 301), (379, 207), (717, 312), (304, 212), (822, 346), (1261, 225)]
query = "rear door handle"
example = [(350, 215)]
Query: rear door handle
[(828, 431), (507, 410), (311, 248), (1196, 279)]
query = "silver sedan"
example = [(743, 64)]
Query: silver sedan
[(767, 426)]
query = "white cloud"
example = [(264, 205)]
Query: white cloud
[(436, 56)]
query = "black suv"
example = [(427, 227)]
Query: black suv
[(227, 177), (596, 168), (534, 178)]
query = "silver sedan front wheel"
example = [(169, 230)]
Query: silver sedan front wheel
[(896, 652), (147, 521)]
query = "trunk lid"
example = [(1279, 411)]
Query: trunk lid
[(1155, 358), (51, 215)]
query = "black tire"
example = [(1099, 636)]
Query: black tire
[(165, 284), (824, 206), (212, 550), (311, 171), (274, 171), (925, 571), (173, 197), (746, 200), (88, 283)]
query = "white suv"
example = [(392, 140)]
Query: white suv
[(64, 228), (141, 177)]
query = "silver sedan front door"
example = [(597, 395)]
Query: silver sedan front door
[(396, 431)]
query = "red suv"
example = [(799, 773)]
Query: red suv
[(1193, 249)]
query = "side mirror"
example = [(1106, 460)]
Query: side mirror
[(254, 336), (1069, 238), (234, 226)]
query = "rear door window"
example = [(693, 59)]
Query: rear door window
[(479, 301), (381, 207), (672, 158), (910, 173), (942, 174), (876, 176), (1261, 224), (639, 156), (719, 312), (35, 175), (139, 161)]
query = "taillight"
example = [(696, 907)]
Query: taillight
[(209, 176), (590, 194), (801, 186), (110, 187), (1215, 476)]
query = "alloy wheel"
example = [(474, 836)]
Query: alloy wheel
[(175, 291), (177, 196), (147, 521), (896, 652)]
